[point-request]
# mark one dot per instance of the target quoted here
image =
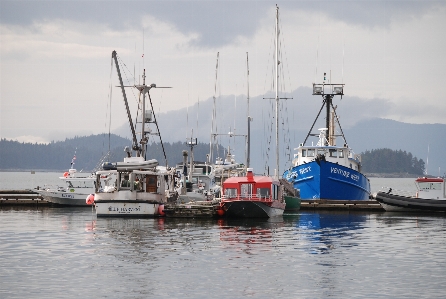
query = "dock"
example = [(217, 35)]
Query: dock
[(21, 198), (198, 209), (357, 205)]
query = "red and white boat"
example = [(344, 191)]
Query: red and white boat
[(252, 196), (430, 197)]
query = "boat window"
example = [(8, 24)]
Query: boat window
[(231, 192), (341, 154), (320, 152), (246, 190), (333, 153), (304, 153), (263, 192), (310, 153), (79, 184), (430, 186), (125, 181)]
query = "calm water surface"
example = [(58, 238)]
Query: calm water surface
[(69, 253)]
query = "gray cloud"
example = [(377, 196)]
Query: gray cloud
[(217, 22)]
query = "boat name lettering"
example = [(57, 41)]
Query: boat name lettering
[(123, 210), (355, 177), (340, 171), (305, 170), (291, 175), (68, 196)]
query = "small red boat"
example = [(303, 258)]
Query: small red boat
[(252, 196)]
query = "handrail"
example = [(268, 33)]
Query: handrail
[(247, 197)]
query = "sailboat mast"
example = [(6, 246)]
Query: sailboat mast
[(277, 90), (214, 111), (248, 150), (143, 113)]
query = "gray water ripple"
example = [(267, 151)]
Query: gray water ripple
[(68, 253)]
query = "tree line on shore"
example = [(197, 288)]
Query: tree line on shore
[(87, 153), (90, 152), (385, 160)]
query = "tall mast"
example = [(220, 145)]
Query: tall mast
[(277, 90), (143, 115), (214, 111), (248, 150)]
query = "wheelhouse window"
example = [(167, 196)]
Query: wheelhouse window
[(310, 153), (263, 192), (79, 184), (341, 154), (333, 153), (304, 153), (430, 186), (231, 192)]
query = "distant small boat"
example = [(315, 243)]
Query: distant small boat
[(77, 188), (252, 196), (430, 197)]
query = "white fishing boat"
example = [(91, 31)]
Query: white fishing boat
[(75, 187), (429, 197), (143, 187)]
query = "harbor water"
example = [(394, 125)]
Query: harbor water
[(69, 253)]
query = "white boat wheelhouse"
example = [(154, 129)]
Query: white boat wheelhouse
[(341, 155)]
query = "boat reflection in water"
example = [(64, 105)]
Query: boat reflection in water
[(323, 231), (249, 235)]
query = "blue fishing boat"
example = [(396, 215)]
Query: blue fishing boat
[(326, 170)]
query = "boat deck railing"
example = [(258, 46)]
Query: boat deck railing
[(253, 197), (398, 192)]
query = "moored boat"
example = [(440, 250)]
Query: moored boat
[(143, 187), (77, 186), (430, 197), (252, 196), (326, 170)]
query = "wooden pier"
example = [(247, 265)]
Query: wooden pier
[(21, 198), (324, 204)]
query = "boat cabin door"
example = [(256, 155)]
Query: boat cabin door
[(246, 190), (151, 183)]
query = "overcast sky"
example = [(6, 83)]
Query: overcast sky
[(55, 57)]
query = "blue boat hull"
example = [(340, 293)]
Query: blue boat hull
[(326, 180)]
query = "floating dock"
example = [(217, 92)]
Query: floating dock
[(324, 204), (198, 209), (21, 198)]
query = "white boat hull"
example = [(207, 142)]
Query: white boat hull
[(64, 198), (128, 204), (136, 208)]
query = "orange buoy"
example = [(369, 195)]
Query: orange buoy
[(65, 174), (161, 210), (220, 212), (90, 199)]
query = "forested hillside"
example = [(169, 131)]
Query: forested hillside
[(385, 160), (88, 151)]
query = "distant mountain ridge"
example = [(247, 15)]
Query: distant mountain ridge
[(363, 130)]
